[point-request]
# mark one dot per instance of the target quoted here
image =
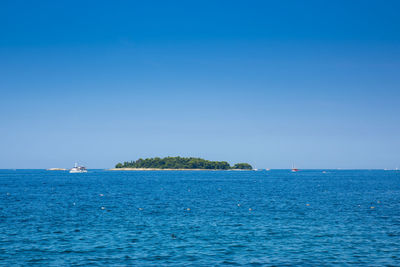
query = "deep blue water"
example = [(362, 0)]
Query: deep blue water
[(199, 218)]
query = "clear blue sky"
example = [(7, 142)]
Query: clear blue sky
[(265, 82)]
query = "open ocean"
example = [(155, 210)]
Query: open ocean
[(199, 218)]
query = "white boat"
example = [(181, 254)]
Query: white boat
[(294, 169), (77, 169)]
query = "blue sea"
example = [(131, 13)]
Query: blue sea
[(199, 218)]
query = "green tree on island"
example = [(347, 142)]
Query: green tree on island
[(182, 163), (242, 166)]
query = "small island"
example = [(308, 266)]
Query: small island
[(56, 169), (179, 163)]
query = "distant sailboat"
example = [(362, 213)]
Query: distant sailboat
[(294, 169)]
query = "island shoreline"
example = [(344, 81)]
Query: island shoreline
[(156, 169)]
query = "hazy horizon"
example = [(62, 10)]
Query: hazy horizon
[(269, 83), (274, 169)]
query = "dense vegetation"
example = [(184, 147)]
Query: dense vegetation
[(242, 166), (182, 163)]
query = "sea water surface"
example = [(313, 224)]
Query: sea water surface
[(199, 218)]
